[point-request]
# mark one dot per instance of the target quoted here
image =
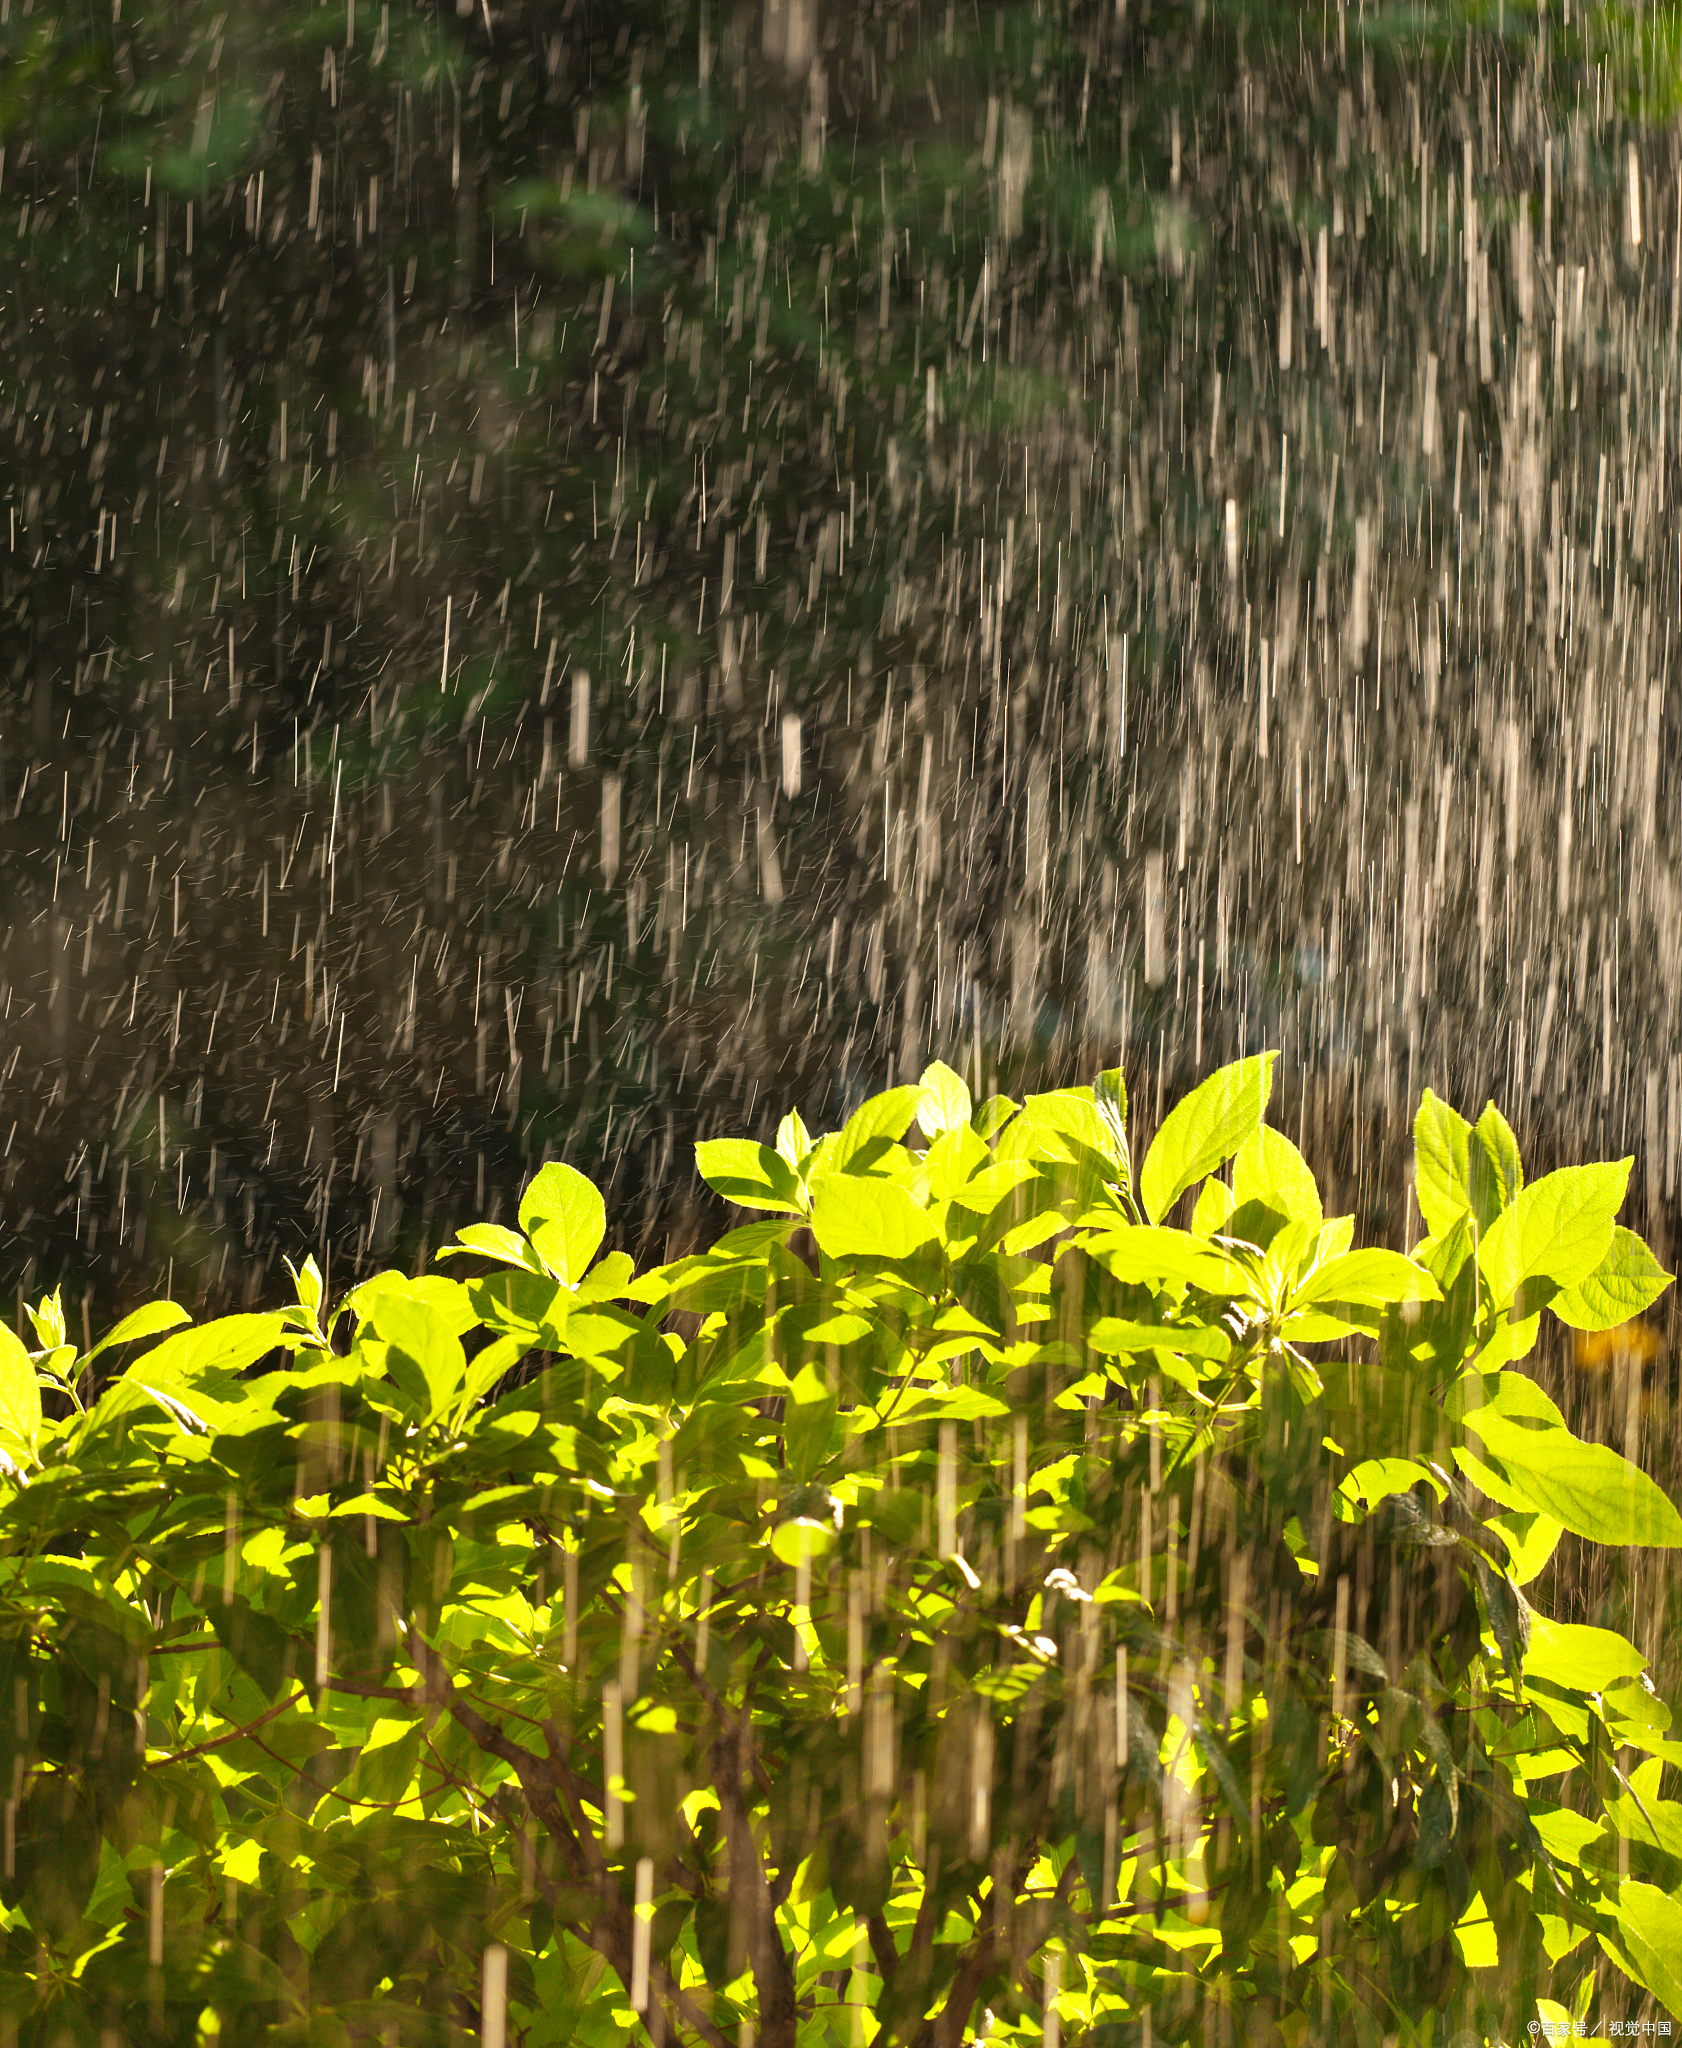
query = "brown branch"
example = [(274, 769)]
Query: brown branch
[(922, 1932), (407, 1695), (537, 1776), (680, 2002), (611, 1938), (772, 1975), (400, 1695), (181, 1756), (762, 1777), (882, 1947), (572, 1789), (573, 1785), (611, 1935), (701, 1684), (948, 2030)]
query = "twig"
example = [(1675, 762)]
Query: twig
[(762, 1777), (882, 1947), (182, 1756)]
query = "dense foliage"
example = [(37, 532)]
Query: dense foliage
[(965, 1592)]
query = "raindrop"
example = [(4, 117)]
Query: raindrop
[(578, 743), (493, 1993), (611, 786)]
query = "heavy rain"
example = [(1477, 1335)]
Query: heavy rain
[(577, 576)]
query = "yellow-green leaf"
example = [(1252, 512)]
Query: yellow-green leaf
[(1213, 1209), (1557, 1231), (752, 1176), (801, 1540), (1650, 1931), (1441, 1137), (1589, 1487), (492, 1241), (147, 1321), (416, 1332), (1204, 1130), (563, 1215), (872, 1129), (1268, 1168), (1140, 1255), (20, 1392), (1628, 1280), (1531, 1540), (871, 1219), (1579, 1658), (1373, 1278), (794, 1142), (944, 1103)]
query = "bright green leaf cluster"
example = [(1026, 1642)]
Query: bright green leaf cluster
[(959, 1590)]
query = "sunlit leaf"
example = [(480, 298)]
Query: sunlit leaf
[(1531, 1540), (1494, 1177), (1589, 1488), (20, 1396), (419, 1337), (1268, 1168), (146, 1321), (1627, 1281), (1441, 1138), (1203, 1130), (1156, 1257), (801, 1540), (872, 1128), (793, 1141), (1557, 1231), (752, 1176), (944, 1103), (1650, 1932), (1577, 1657), (857, 1218), (563, 1214), (1373, 1278), (47, 1316), (493, 1241)]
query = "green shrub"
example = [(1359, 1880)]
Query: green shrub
[(958, 1600)]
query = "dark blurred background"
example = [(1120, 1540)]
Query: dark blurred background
[(578, 575)]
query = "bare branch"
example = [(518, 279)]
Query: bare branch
[(948, 2030), (762, 1777), (181, 1756), (882, 1947), (772, 1974)]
